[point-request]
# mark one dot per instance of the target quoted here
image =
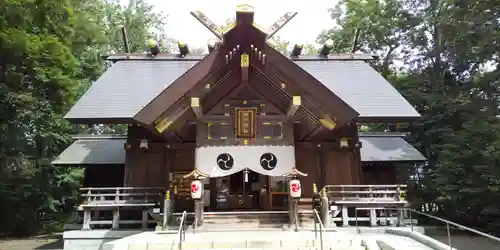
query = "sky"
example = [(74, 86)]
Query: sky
[(312, 18)]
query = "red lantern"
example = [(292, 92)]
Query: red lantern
[(196, 189), (295, 188)]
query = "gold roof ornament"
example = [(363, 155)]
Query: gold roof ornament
[(294, 173), (344, 142), (196, 174), (244, 8)]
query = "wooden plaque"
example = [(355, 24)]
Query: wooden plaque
[(245, 123)]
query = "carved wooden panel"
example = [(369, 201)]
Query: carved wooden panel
[(270, 130), (219, 131)]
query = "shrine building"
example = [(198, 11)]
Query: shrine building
[(243, 119)]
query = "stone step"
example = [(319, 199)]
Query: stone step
[(162, 247), (228, 221), (253, 244)]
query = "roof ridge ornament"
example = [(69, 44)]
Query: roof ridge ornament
[(282, 21), (203, 19), (245, 8)]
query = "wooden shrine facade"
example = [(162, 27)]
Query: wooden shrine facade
[(225, 112)]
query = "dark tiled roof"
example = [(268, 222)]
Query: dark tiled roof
[(390, 148), (159, 57), (360, 86), (111, 150), (93, 151), (129, 85), (126, 87)]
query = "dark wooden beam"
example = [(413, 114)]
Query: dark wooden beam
[(328, 123), (177, 136), (292, 74), (221, 87), (191, 81), (313, 133), (224, 118), (294, 105), (164, 123), (245, 62), (196, 106)]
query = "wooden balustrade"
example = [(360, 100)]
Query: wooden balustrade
[(365, 193), (96, 200), (370, 198)]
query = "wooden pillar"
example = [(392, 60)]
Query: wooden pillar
[(373, 217), (345, 217), (116, 219), (321, 177), (86, 219), (198, 213), (144, 218)]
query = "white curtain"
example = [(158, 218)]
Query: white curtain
[(244, 157)]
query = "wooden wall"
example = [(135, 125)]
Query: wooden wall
[(324, 165), (151, 167), (104, 175), (380, 174)]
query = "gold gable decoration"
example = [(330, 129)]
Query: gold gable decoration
[(244, 8)]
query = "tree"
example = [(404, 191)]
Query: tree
[(141, 23), (443, 45), (51, 52)]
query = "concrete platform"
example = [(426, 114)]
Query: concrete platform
[(342, 238)]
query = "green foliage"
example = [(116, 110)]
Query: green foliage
[(444, 47), (50, 52), (140, 21)]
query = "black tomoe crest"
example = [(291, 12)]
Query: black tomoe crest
[(225, 161), (268, 161)]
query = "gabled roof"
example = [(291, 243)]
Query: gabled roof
[(134, 81), (91, 151), (381, 147), (360, 86), (126, 87)]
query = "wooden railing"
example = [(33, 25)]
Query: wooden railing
[(96, 200), (365, 193), (374, 199)]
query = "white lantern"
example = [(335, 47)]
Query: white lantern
[(295, 188), (196, 189)]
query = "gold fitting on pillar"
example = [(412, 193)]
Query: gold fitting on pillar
[(323, 192), (167, 195), (315, 188)]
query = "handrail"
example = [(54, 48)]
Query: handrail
[(447, 222), (456, 225), (366, 186), (119, 188), (321, 228), (182, 232)]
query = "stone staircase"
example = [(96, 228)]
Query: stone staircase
[(244, 221), (247, 240)]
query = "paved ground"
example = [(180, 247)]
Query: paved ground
[(469, 242), (458, 242), (31, 244)]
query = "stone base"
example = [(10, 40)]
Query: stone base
[(93, 239)]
